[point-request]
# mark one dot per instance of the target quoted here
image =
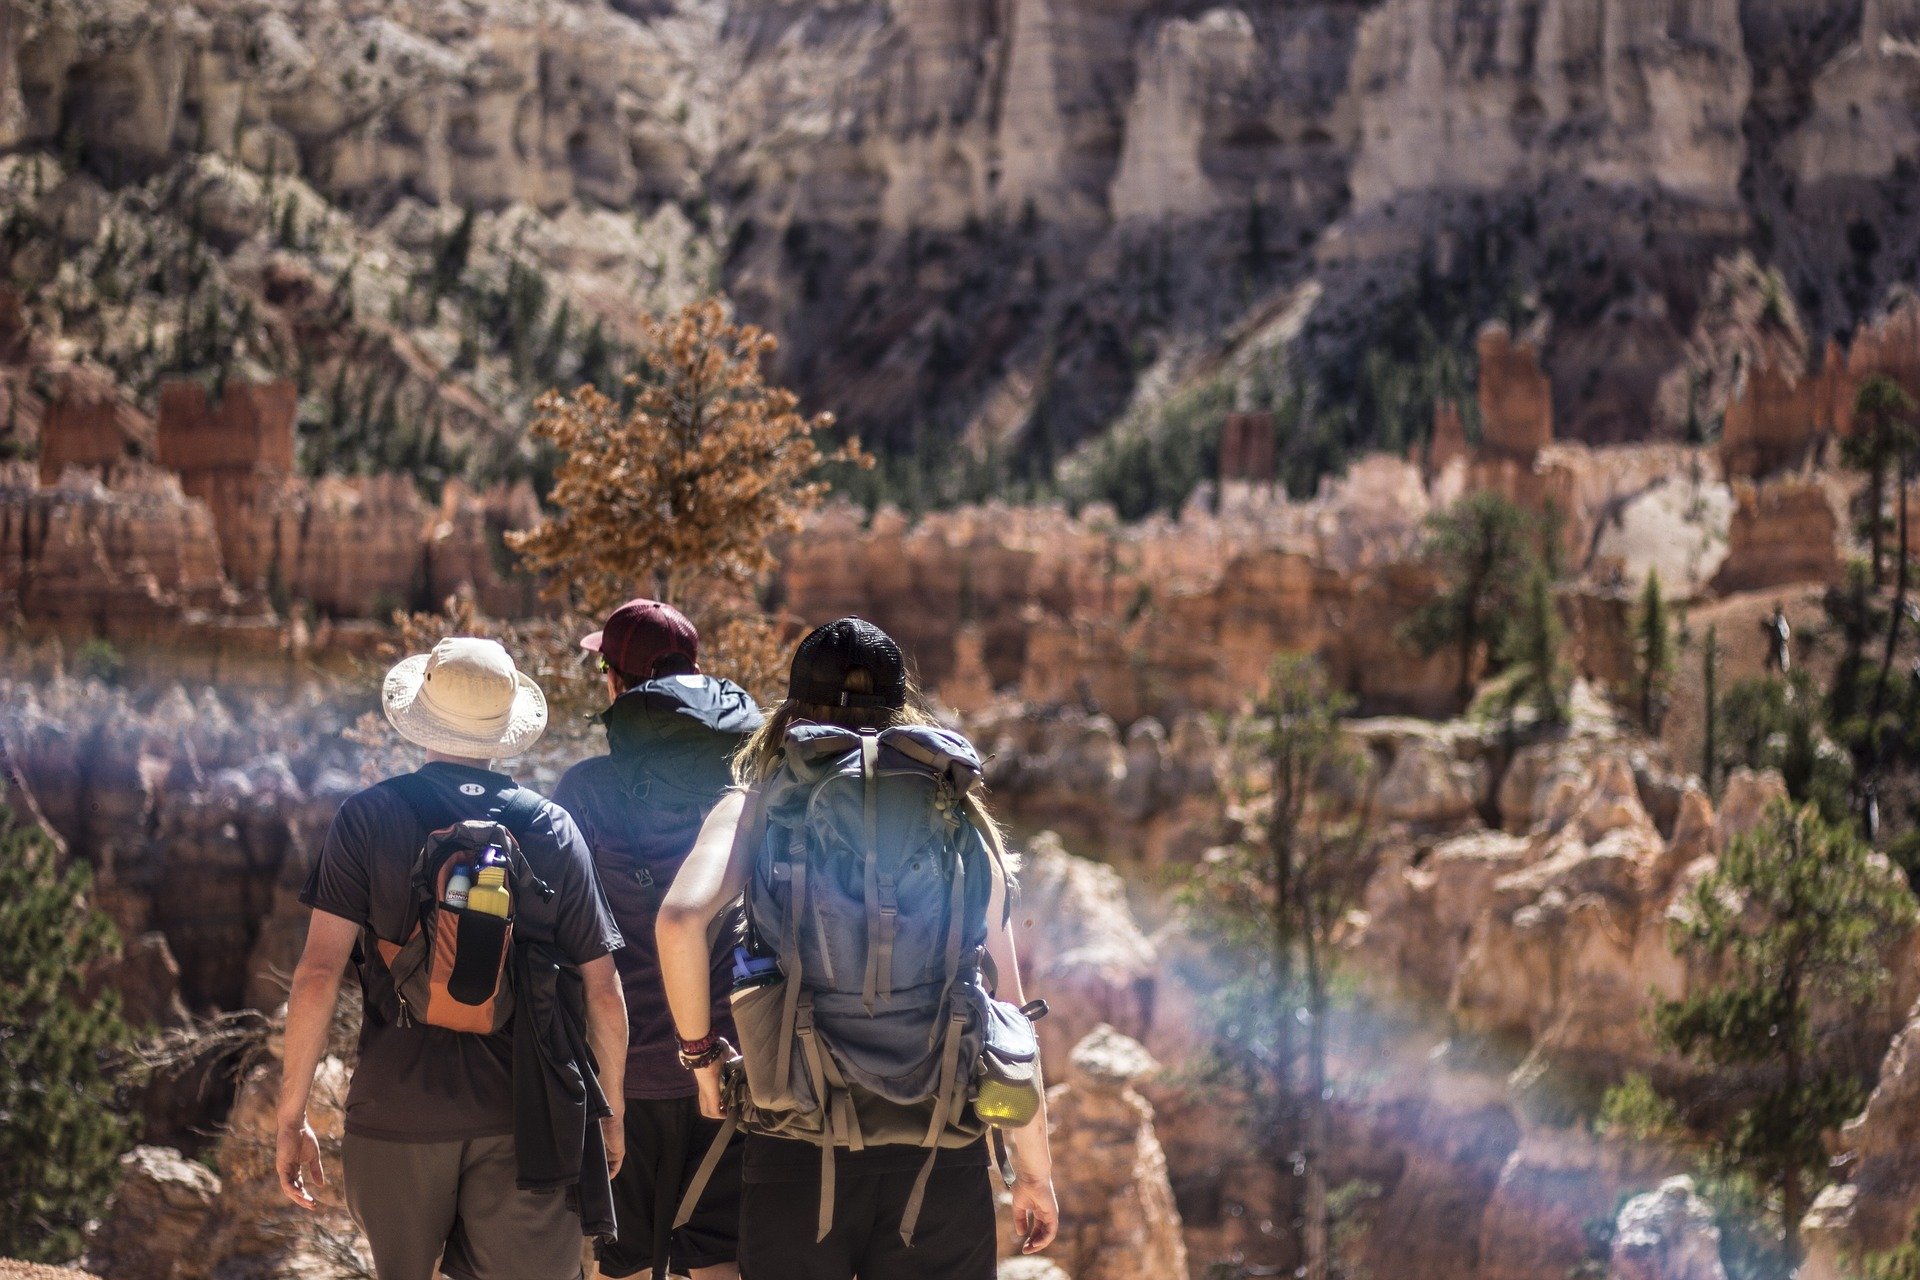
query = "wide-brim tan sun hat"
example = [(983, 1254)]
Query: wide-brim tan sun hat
[(466, 699)]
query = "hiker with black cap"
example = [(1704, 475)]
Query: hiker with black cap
[(886, 1056), (671, 733), (478, 1138)]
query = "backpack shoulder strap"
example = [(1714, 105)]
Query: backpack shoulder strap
[(420, 797), (522, 806), (521, 810)]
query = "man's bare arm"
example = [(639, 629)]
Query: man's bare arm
[(310, 1002), (607, 1033)]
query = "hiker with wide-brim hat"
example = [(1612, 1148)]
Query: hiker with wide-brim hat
[(879, 1064), (672, 730), (471, 910)]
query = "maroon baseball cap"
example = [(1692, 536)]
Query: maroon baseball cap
[(640, 633)]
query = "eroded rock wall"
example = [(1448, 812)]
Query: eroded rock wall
[(1000, 222)]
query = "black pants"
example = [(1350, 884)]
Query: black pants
[(779, 1216), (666, 1140)]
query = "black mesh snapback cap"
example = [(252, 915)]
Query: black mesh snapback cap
[(825, 658)]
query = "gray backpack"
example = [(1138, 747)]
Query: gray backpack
[(870, 886)]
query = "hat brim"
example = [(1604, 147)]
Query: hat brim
[(593, 642), (415, 721)]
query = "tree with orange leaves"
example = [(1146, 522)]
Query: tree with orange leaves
[(683, 495)]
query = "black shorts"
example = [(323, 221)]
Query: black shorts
[(780, 1207), (666, 1140)]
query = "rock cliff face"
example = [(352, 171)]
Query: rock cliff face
[(963, 218), (131, 559), (1117, 1211), (1667, 1234), (1873, 1210), (1164, 618), (174, 1219)]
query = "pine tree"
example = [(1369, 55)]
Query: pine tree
[(1883, 427), (1793, 923), (1483, 547), (60, 1134), (1653, 656), (1531, 650), (450, 256), (596, 360), (1710, 711), (1271, 906)]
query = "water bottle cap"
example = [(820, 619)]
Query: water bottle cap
[(493, 876)]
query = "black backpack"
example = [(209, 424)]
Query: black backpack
[(442, 965)]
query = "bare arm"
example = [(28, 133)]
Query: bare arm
[(1036, 1213), (709, 879), (310, 1001), (607, 1033)]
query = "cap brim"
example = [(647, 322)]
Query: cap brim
[(413, 720), (592, 642)]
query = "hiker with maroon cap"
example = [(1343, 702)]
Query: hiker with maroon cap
[(671, 732)]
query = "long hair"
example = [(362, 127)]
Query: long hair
[(760, 756)]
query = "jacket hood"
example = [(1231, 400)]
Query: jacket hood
[(682, 732)]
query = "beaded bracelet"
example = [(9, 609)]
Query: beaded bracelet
[(715, 1049)]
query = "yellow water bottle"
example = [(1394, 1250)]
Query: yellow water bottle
[(489, 893)]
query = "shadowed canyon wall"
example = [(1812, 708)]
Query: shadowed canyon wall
[(1000, 221)]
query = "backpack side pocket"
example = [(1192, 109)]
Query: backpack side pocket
[(759, 1017), (468, 989), (1009, 1092)]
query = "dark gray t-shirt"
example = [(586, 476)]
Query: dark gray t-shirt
[(428, 1084)]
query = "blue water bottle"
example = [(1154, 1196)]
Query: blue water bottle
[(751, 971)]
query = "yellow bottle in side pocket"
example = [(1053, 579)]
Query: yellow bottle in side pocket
[(489, 894)]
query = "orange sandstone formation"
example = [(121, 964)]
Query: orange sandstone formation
[(1784, 531), (1774, 424), (1448, 443), (90, 427), (1516, 399), (234, 453)]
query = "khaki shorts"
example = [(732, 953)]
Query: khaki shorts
[(455, 1205)]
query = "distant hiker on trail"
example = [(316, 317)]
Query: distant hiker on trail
[(672, 732), (1779, 634), (477, 1139), (875, 1068)]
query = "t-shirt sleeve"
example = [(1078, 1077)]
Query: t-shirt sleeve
[(338, 884), (571, 795), (583, 924)]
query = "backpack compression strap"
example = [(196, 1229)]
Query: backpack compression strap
[(950, 1092), (882, 901)]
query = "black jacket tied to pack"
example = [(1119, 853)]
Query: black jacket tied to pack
[(557, 1102)]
